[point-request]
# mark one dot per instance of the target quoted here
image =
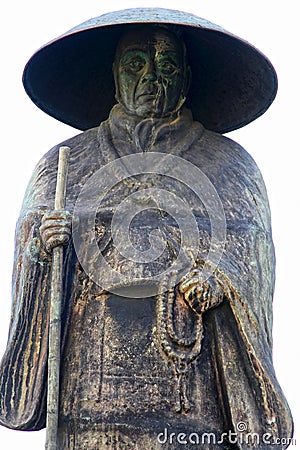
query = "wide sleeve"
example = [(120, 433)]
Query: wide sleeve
[(23, 369), (24, 364)]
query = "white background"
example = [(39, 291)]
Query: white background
[(272, 140)]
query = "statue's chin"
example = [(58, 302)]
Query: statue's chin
[(145, 113), (148, 111)]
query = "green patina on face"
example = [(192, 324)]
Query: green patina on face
[(151, 73)]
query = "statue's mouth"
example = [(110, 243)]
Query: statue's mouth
[(150, 95)]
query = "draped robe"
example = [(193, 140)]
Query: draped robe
[(117, 385)]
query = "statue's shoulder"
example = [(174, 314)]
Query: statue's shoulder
[(84, 149), (84, 155), (79, 144), (222, 152)]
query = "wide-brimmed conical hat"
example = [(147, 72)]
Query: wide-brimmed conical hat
[(71, 77)]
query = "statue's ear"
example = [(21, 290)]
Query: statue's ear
[(115, 74), (186, 86), (188, 80)]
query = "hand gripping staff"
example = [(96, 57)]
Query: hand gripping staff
[(55, 311)]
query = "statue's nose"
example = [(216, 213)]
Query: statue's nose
[(150, 73)]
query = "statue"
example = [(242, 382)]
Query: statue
[(164, 347)]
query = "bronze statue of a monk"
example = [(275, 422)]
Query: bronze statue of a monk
[(187, 361)]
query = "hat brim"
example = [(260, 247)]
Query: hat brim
[(71, 77)]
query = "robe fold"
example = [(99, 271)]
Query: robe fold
[(120, 383)]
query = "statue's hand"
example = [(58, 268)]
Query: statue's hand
[(55, 229), (200, 296)]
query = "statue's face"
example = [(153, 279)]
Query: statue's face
[(150, 71)]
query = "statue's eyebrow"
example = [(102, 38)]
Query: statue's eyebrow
[(173, 55), (132, 49), (131, 53)]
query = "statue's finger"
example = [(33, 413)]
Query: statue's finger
[(56, 240), (185, 285), (57, 215), (47, 230), (192, 273)]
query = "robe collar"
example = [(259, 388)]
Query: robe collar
[(127, 134)]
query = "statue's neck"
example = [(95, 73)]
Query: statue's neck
[(145, 134)]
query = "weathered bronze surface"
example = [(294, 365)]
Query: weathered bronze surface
[(156, 354)]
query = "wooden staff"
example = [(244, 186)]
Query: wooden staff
[(55, 311)]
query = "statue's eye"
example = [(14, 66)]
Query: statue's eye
[(166, 67), (134, 64)]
